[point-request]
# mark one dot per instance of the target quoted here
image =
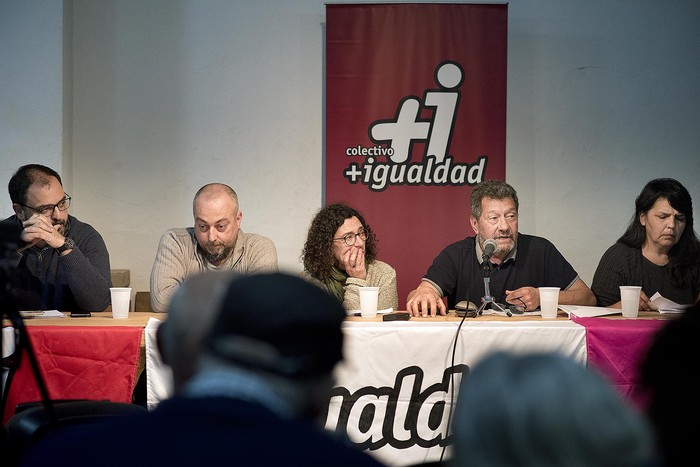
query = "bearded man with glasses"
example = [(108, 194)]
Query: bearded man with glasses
[(64, 263)]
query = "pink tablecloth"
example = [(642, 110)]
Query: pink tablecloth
[(616, 348)]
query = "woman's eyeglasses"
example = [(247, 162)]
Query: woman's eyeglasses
[(351, 238)]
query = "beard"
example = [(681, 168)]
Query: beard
[(216, 253), (510, 244), (60, 226), (501, 251)]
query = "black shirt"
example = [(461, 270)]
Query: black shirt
[(537, 263)]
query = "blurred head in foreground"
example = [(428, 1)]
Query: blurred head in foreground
[(274, 332), (191, 313), (668, 373), (543, 409), (255, 356)]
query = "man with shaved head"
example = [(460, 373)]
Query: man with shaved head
[(215, 243)]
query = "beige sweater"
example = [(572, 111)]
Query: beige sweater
[(178, 258), (379, 274)]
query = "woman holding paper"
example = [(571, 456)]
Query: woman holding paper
[(659, 251), (340, 254)]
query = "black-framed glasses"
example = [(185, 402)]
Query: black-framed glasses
[(47, 210), (351, 238)]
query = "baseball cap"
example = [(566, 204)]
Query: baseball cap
[(278, 323)]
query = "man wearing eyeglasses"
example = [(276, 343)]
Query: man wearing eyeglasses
[(64, 263), (215, 243)]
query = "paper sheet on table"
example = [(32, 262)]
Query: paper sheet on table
[(664, 305), (42, 314), (589, 311)]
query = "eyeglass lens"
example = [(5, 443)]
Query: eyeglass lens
[(350, 239), (47, 210)]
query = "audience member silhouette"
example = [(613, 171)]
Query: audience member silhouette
[(544, 409), (263, 379), (668, 374)]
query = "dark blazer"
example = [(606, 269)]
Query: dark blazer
[(198, 431)]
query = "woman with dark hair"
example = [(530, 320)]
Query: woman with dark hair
[(340, 254), (659, 251)]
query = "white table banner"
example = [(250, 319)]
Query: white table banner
[(394, 390), (398, 381)]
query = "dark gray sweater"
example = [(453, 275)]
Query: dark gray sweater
[(79, 280)]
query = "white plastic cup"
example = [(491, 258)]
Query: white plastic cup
[(368, 301), (549, 302), (121, 299), (629, 294)]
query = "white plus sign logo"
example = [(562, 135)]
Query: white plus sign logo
[(395, 139), (407, 128)]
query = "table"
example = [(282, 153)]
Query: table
[(395, 389), (616, 346), (78, 355), (100, 318), (398, 382)]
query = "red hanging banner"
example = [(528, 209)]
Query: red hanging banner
[(415, 116)]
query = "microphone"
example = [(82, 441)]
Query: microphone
[(490, 246)]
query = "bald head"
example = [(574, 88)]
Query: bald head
[(214, 191), (217, 220), (190, 316)]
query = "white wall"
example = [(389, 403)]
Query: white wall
[(170, 95), (31, 64), (602, 97)]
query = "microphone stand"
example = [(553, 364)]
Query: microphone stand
[(487, 298)]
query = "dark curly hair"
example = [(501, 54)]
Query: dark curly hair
[(317, 254)]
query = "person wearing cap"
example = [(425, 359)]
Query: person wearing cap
[(260, 383), (215, 243), (63, 263)]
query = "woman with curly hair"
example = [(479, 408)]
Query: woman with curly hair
[(340, 254)]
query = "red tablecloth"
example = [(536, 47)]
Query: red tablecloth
[(79, 362), (616, 347)]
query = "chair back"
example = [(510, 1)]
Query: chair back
[(32, 421), (143, 301)]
